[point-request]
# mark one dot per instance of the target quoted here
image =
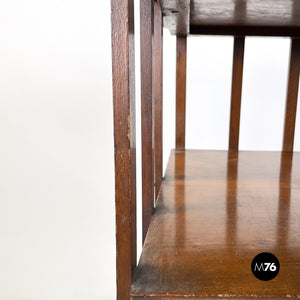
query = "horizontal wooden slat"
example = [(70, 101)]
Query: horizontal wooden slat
[(245, 30)]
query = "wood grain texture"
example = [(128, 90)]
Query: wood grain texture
[(246, 12), (147, 110), (236, 92), (217, 210), (176, 16), (124, 142), (292, 95), (237, 17), (158, 96), (180, 91)]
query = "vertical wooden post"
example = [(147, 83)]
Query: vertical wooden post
[(147, 107), (158, 84), (292, 95), (236, 92), (124, 140), (180, 91)]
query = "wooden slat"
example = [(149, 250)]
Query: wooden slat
[(292, 94), (212, 29), (180, 91), (158, 84), (147, 107), (124, 140), (236, 92)]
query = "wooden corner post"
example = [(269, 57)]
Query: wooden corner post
[(122, 17)]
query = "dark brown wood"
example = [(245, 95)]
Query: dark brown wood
[(236, 92), (158, 92), (292, 95), (216, 211), (244, 30), (124, 141), (180, 91), (257, 13), (246, 17), (147, 107), (176, 16)]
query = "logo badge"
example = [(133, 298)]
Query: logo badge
[(265, 266)]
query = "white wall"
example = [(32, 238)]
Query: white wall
[(56, 155), (263, 98)]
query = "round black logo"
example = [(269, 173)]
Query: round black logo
[(265, 266)]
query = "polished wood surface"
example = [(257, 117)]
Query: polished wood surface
[(247, 12), (147, 107), (180, 91), (124, 141), (236, 92), (217, 210), (292, 96), (236, 17), (158, 96)]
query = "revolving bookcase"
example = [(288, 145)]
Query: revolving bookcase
[(213, 211)]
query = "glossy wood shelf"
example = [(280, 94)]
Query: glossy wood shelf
[(216, 210), (233, 17)]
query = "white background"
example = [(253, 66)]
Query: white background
[(56, 178)]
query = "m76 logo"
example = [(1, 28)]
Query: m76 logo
[(265, 267)]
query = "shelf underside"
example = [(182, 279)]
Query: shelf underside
[(215, 212), (246, 17)]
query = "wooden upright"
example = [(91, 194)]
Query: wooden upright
[(180, 91), (236, 92), (146, 32), (158, 94), (124, 139), (292, 96)]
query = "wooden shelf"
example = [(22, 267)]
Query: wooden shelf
[(216, 210), (233, 17)]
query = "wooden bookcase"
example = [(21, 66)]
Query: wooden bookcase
[(204, 222)]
